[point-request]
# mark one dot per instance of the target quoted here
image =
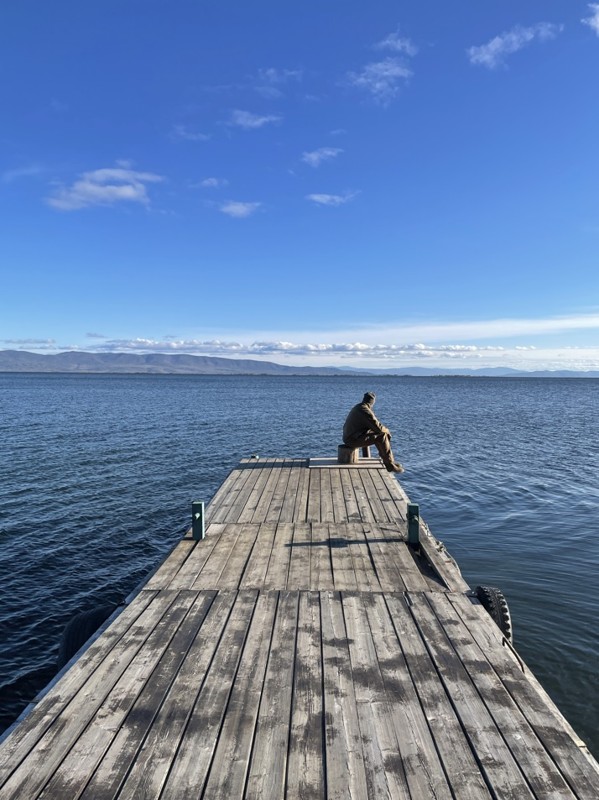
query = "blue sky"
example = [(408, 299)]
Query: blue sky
[(324, 182)]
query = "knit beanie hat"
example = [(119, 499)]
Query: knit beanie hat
[(369, 398)]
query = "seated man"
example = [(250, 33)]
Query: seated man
[(363, 428)]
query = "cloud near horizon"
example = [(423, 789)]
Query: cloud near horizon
[(104, 187), (493, 53)]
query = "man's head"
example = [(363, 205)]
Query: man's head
[(369, 398)]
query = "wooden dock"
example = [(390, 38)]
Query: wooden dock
[(302, 650)]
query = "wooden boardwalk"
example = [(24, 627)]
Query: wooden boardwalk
[(303, 650)]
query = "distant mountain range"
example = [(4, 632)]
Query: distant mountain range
[(180, 364)]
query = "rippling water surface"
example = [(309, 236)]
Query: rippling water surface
[(97, 473)]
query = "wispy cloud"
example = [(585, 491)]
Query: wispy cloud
[(213, 183), (398, 44), (239, 210), (36, 342), (30, 171), (104, 187), (249, 121), (186, 134), (382, 79), (95, 336), (270, 82), (331, 199), (493, 53), (593, 20), (315, 157)]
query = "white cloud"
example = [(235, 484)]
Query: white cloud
[(186, 134), (331, 199), (493, 53), (239, 210), (214, 183), (365, 355), (104, 187), (593, 20), (382, 79), (398, 44), (249, 121), (316, 157)]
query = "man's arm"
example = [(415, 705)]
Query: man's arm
[(374, 424)]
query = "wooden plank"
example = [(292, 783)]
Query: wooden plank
[(275, 508), (267, 498), (326, 496), (300, 512), (558, 737), (232, 491), (299, 564), (231, 576), (291, 491), (257, 565), (278, 566), (209, 575), (362, 499), (385, 774), (313, 504), (498, 765), (538, 767), (261, 491), (388, 574), (392, 548), (229, 769), (378, 507), (344, 576), (268, 764), (249, 496), (191, 764), (116, 732), (171, 565), (352, 511), (345, 773), (150, 769), (189, 571), (366, 576), (416, 747), (339, 510), (443, 564), (454, 750), (305, 773), (321, 567), (25, 736), (384, 484), (32, 774)]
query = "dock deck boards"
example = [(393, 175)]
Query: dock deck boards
[(301, 650)]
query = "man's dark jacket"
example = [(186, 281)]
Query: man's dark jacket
[(360, 420)]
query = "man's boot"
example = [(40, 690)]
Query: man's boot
[(392, 466)]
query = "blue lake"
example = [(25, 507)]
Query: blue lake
[(97, 473)]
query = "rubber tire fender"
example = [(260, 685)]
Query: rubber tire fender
[(79, 629), (493, 601)]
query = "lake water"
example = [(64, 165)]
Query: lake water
[(97, 473)]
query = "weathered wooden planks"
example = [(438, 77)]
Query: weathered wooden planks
[(303, 650)]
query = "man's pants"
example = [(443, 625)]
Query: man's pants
[(382, 442)]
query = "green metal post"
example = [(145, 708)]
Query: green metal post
[(413, 524), (197, 520)]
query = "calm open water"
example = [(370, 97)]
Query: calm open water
[(97, 473)]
